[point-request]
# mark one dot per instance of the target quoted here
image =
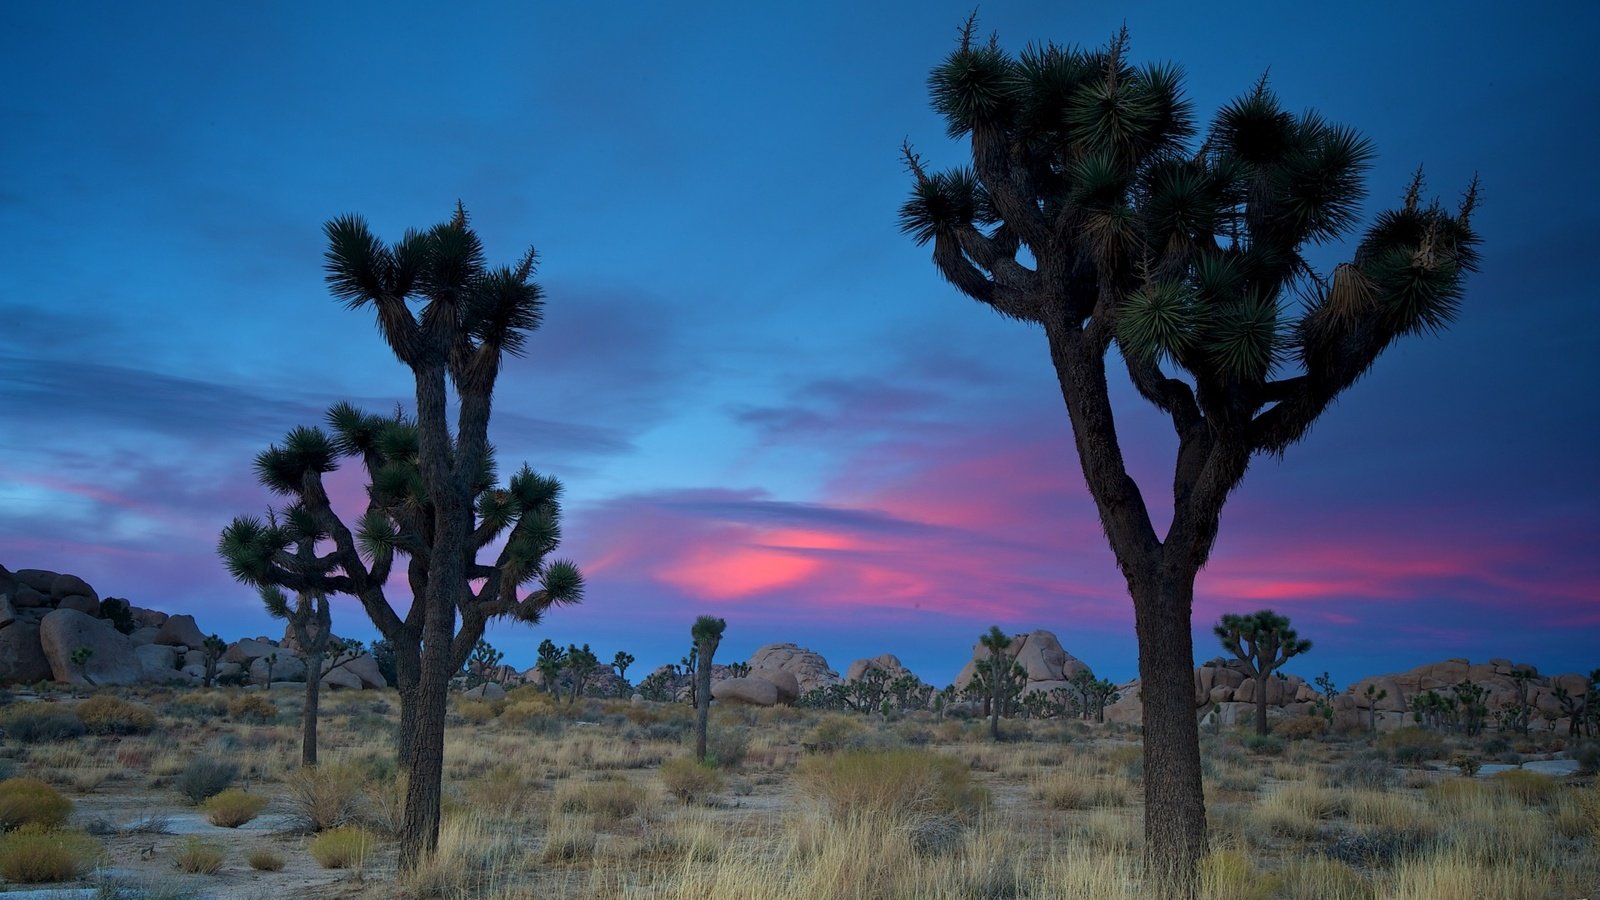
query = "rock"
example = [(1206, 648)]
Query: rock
[(287, 667), (158, 664), (228, 669), (752, 691), (1041, 655), (787, 684), (248, 650), (143, 636), (180, 631), (636, 699), (339, 678), (195, 672), (38, 580), (8, 613), (64, 586), (147, 618), (807, 666), (86, 605), (888, 663), (194, 657), (26, 596), (365, 668), (111, 661), (22, 659), (486, 691)]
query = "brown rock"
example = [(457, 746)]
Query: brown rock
[(751, 691), (26, 596), (249, 649), (68, 585), (787, 684), (180, 631), (22, 659), (37, 579), (84, 604), (147, 618), (807, 666), (339, 678), (888, 663), (111, 661)]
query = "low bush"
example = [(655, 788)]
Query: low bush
[(31, 802), (205, 776), (233, 808), (1300, 728), (898, 783), (611, 799), (252, 708), (834, 733), (342, 848), (726, 747), (37, 723), (1412, 744), (198, 856), (35, 855), (688, 780), (1587, 755), (1465, 763), (324, 797), (1071, 790), (1532, 788), (264, 859), (1264, 744), (105, 714)]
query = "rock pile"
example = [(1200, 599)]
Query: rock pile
[(809, 669), (1049, 666)]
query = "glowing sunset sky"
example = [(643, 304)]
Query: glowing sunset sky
[(764, 402)]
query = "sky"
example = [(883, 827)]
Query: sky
[(763, 401)]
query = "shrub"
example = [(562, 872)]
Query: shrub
[(233, 808), (29, 801), (342, 848), (1465, 763), (900, 783), (198, 856), (264, 859), (205, 776), (1587, 754), (1300, 727), (726, 747), (1411, 745), (1532, 788), (688, 780), (105, 714), (1070, 790), (612, 799), (1365, 772), (835, 732), (324, 797), (38, 723), (252, 708), (34, 855), (1264, 744)]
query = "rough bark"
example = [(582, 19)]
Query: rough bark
[(702, 706), (1261, 701), (424, 767), (1175, 813), (308, 737)]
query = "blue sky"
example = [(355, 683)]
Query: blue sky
[(764, 402)]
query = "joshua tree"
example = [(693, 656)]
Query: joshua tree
[(1092, 211), (482, 663), (1263, 641), (690, 664), (1102, 693), (996, 642), (620, 664), (212, 650), (312, 624), (707, 634), (551, 661), (432, 498), (582, 663), (1374, 694)]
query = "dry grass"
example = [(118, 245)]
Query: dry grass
[(29, 801), (265, 859), (342, 848), (198, 856), (35, 855), (233, 808)]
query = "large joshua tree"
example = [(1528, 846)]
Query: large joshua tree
[(707, 634), (1092, 211), (432, 496), (1264, 642)]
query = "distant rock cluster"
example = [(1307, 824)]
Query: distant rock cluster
[(55, 627)]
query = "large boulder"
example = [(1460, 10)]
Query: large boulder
[(8, 613), (111, 655), (486, 691), (1040, 654), (22, 659), (888, 664), (788, 686), (63, 586), (159, 663), (147, 618), (38, 580), (283, 666), (751, 691), (249, 650), (807, 666), (342, 679), (180, 631), (25, 596), (84, 604), (363, 667)]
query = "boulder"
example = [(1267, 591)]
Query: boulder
[(287, 667), (8, 613), (195, 672), (180, 631), (486, 691), (143, 636), (38, 580), (339, 678), (888, 664), (26, 596), (147, 618), (63, 586), (807, 666), (1040, 653), (365, 668), (228, 669), (751, 691), (22, 659), (86, 605), (248, 650), (111, 661), (158, 664), (787, 684)]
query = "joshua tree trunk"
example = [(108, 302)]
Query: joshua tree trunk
[(308, 739), (994, 707), (702, 708), (424, 769), (1261, 702), (1174, 801)]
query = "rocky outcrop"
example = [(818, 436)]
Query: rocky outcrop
[(110, 655), (486, 691), (1400, 689), (750, 691), (888, 664), (1039, 653), (787, 685), (179, 631), (808, 667), (22, 659)]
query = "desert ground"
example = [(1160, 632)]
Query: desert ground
[(600, 799)]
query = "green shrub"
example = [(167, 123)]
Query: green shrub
[(31, 802), (205, 776), (38, 723), (233, 808), (688, 780), (198, 856), (1587, 754), (34, 855), (342, 848), (105, 714), (896, 783), (264, 859)]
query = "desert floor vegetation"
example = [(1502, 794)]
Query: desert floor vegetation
[(604, 799)]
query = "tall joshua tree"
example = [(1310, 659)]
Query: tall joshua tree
[(998, 663), (1264, 642), (432, 498), (1091, 211), (707, 634)]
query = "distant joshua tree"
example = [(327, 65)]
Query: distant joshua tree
[(1096, 211), (707, 634), (1263, 641), (996, 642)]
